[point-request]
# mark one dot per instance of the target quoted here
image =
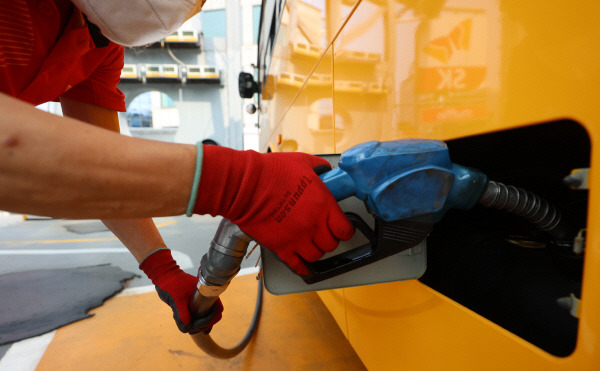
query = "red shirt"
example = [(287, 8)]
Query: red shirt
[(46, 52)]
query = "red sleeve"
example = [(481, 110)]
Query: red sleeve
[(100, 88)]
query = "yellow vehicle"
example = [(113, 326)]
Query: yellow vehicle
[(510, 86)]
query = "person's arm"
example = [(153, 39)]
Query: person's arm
[(55, 166), (140, 236)]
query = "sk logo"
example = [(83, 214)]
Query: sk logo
[(443, 48)]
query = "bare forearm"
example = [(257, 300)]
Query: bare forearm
[(139, 235), (59, 167)]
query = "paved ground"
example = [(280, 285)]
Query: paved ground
[(41, 243), (45, 243), (135, 331)]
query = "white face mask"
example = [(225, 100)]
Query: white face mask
[(137, 22)]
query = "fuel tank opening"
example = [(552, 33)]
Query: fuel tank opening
[(516, 269)]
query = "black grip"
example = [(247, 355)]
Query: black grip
[(387, 239)]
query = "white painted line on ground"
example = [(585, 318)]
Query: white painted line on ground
[(26, 354), (135, 291), (181, 258)]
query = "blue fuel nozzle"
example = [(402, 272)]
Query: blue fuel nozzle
[(408, 185), (404, 179)]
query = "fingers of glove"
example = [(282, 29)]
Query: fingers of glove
[(182, 324), (206, 323), (310, 252), (175, 288), (295, 263), (318, 162), (339, 225), (325, 241)]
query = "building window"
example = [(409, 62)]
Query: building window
[(214, 23), (153, 109)]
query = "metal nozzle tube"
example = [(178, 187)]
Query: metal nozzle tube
[(217, 269), (219, 265)]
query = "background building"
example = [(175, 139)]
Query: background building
[(184, 88)]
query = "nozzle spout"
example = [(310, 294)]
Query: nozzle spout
[(219, 265)]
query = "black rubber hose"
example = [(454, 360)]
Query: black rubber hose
[(528, 205), (208, 345)]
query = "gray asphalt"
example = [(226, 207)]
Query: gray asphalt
[(41, 243)]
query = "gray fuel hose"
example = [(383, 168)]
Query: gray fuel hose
[(218, 267), (210, 347)]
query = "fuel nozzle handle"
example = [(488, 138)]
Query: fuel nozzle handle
[(219, 265), (408, 185)]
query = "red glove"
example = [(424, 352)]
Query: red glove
[(277, 199), (175, 287)]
